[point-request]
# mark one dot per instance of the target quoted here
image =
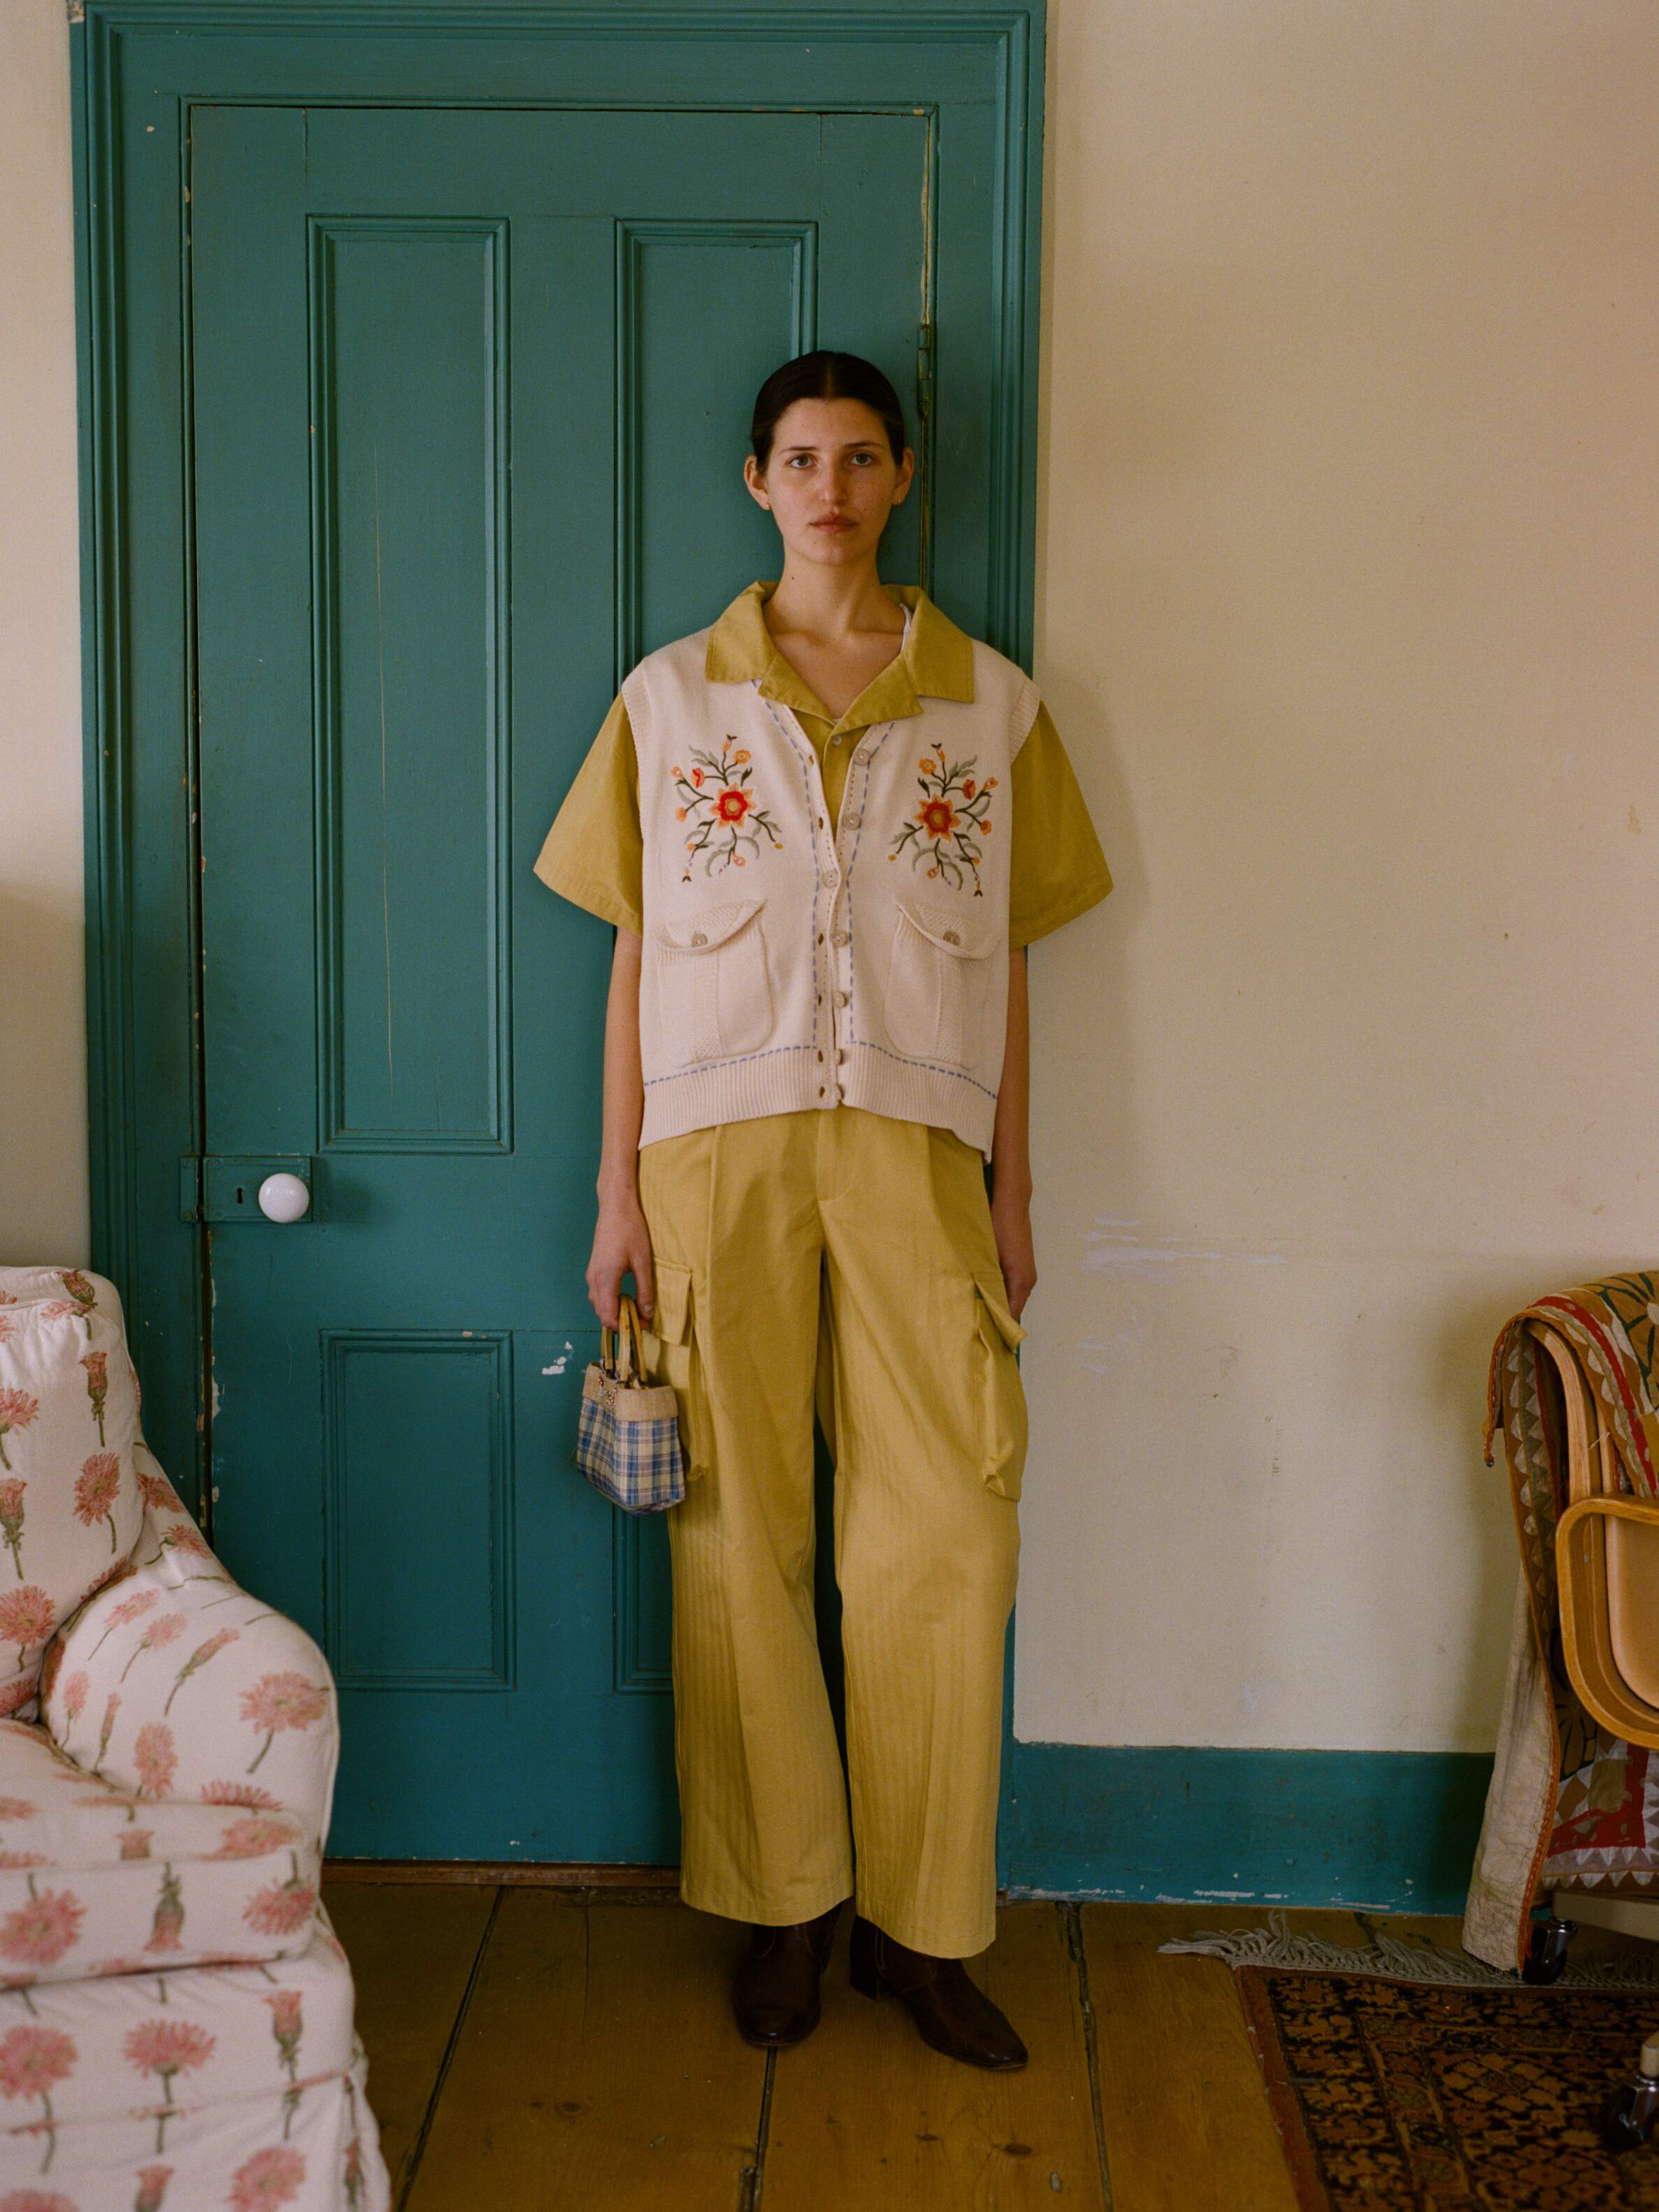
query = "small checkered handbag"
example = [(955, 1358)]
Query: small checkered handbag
[(628, 1439)]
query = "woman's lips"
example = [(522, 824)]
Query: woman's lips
[(834, 522)]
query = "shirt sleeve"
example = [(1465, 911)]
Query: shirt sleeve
[(595, 853), (1056, 868)]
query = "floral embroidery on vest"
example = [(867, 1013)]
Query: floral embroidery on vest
[(718, 801), (955, 810)]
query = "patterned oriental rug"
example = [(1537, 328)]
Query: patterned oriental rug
[(1465, 2089)]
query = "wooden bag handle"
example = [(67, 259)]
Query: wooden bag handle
[(624, 1357)]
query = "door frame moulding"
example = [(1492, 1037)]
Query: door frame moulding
[(974, 68)]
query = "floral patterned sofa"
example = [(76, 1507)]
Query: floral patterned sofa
[(176, 2012)]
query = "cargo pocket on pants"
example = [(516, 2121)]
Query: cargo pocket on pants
[(1001, 1388), (670, 1352)]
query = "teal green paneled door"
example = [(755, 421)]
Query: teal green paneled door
[(470, 396)]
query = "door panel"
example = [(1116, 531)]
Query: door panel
[(470, 400)]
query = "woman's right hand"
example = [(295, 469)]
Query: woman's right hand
[(622, 1243)]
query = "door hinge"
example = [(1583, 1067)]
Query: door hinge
[(924, 370)]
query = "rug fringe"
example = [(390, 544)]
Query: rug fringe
[(1390, 1959)]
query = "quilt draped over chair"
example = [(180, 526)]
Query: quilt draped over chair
[(1571, 1805)]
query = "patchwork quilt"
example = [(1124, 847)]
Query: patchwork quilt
[(1570, 1806)]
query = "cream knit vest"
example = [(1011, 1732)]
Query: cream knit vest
[(787, 966)]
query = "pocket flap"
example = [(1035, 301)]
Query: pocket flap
[(707, 927), (995, 1293), (671, 1321), (950, 929)]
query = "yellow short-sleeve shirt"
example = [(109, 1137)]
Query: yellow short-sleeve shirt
[(593, 854)]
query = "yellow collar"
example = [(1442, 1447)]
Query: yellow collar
[(937, 660)]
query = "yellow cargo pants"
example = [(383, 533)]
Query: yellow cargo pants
[(843, 1261)]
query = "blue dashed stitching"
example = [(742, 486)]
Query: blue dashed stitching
[(869, 761), (934, 1066), (701, 1066), (806, 766)]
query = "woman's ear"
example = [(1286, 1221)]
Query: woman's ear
[(755, 478)]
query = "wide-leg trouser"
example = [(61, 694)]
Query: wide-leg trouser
[(843, 1260)]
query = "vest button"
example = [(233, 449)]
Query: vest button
[(950, 937), (697, 937), (837, 937), (849, 822), (841, 997)]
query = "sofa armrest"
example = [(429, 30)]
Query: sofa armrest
[(173, 1681)]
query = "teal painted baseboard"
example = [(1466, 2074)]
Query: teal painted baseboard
[(1394, 1831)]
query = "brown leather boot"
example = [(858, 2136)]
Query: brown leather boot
[(774, 1992), (950, 2012)]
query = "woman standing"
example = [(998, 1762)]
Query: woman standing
[(825, 828)]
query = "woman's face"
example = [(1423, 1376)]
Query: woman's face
[(831, 481)]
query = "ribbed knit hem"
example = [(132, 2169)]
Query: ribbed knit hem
[(776, 1082), (911, 1091), (793, 1079)]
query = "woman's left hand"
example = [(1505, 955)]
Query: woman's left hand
[(1011, 1220)]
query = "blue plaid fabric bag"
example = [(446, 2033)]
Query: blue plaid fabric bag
[(627, 1437)]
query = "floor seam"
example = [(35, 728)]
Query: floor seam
[(1071, 1921), (454, 2036), (753, 2177)]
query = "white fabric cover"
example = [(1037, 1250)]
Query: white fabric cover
[(176, 2013), (229, 2086), (70, 1501)]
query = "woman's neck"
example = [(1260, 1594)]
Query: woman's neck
[(831, 604)]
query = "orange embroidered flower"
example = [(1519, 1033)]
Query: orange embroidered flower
[(720, 803), (944, 831)]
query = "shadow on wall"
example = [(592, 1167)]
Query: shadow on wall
[(44, 1201)]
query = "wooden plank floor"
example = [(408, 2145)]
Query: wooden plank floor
[(534, 2047)]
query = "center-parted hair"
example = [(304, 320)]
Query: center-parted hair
[(824, 375)]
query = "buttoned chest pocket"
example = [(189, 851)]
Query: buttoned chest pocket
[(713, 994), (942, 973)]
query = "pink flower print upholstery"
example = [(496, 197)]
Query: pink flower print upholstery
[(271, 2176), (201, 2078), (92, 1872), (70, 1500), (33, 2060), (175, 2010), (172, 1679), (282, 1701)]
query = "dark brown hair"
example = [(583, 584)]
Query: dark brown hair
[(824, 375)]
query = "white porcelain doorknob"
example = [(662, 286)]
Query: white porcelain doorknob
[(284, 1198)]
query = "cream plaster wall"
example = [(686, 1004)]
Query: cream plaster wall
[(1348, 507), (44, 1210), (1350, 502)]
